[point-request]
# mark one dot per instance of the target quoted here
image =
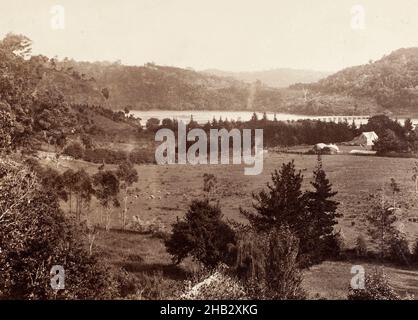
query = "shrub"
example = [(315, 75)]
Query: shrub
[(35, 236), (389, 141), (140, 156), (414, 256), (217, 285), (376, 287), (153, 286), (267, 264), (156, 228), (108, 156), (361, 247), (202, 235), (74, 150), (399, 250), (152, 124)]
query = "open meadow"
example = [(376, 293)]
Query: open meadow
[(163, 193)]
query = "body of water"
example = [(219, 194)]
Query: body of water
[(202, 117)]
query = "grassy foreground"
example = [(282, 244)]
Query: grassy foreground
[(163, 193)]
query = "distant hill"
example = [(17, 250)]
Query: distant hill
[(278, 78), (159, 87), (392, 82), (152, 86), (387, 85)]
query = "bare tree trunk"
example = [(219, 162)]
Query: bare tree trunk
[(70, 202), (77, 208), (92, 237), (107, 227), (80, 209), (125, 210)]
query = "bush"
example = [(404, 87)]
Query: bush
[(361, 247), (153, 286), (108, 156), (267, 265), (202, 235), (389, 142), (152, 124), (414, 256), (34, 236), (399, 250), (154, 227), (376, 287), (74, 150), (217, 285), (140, 156)]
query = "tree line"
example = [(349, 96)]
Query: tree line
[(78, 187), (276, 133)]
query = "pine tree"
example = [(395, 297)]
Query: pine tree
[(283, 203), (322, 214)]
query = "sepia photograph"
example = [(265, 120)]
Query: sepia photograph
[(190, 150)]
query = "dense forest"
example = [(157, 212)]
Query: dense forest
[(391, 81), (161, 87)]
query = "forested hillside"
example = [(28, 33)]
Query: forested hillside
[(159, 87), (37, 102), (391, 81), (276, 78)]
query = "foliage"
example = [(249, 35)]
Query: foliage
[(380, 221), (153, 227), (310, 215), (74, 150), (106, 189), (323, 217), (215, 285), (34, 236), (127, 174), (399, 250), (267, 264), (376, 287), (389, 142), (202, 234), (282, 203), (391, 81), (52, 181), (414, 256), (152, 124), (153, 87), (361, 247), (102, 155)]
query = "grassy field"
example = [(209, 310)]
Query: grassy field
[(163, 193)]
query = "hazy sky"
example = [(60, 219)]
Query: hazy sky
[(236, 35)]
